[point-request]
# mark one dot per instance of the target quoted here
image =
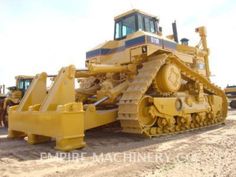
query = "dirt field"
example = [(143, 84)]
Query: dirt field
[(206, 152)]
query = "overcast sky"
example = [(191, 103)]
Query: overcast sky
[(45, 35)]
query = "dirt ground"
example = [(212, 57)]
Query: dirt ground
[(206, 152)]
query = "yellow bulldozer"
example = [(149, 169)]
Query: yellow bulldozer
[(152, 84), (13, 97), (230, 92)]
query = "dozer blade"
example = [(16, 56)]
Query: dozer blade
[(43, 116)]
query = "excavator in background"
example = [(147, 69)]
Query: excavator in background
[(13, 97), (152, 84), (230, 92)]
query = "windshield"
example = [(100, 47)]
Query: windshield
[(135, 22), (24, 84), (125, 26)]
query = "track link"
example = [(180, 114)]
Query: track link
[(128, 105)]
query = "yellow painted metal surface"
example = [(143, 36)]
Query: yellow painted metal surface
[(95, 118), (169, 78), (36, 92), (42, 116), (150, 83), (230, 90), (66, 126), (13, 97)]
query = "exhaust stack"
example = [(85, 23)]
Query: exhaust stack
[(175, 33)]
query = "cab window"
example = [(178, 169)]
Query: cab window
[(24, 84), (27, 84), (21, 84), (140, 22), (149, 25), (152, 26), (135, 22), (125, 27), (118, 30)]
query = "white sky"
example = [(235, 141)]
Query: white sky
[(37, 36)]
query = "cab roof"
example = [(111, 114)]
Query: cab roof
[(134, 11), (24, 77)]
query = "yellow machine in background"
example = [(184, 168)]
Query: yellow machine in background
[(150, 83), (14, 96), (230, 92)]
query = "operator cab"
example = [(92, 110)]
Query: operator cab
[(134, 21), (23, 84)]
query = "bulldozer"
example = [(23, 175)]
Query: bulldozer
[(230, 92), (13, 97), (151, 84)]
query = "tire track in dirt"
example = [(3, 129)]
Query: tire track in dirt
[(209, 151)]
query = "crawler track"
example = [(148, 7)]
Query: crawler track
[(128, 105)]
